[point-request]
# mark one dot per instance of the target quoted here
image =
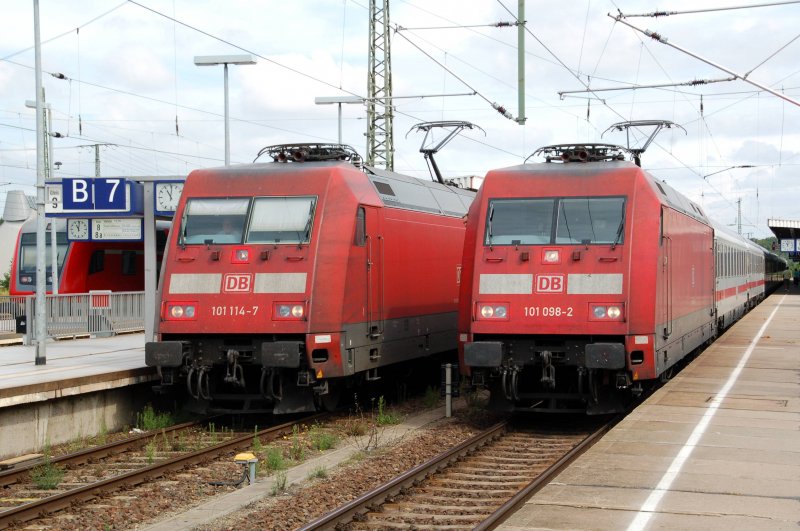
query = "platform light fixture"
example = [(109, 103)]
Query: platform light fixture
[(330, 100), (225, 60)]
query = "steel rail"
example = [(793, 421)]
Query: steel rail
[(58, 502), (377, 496), (363, 503), (13, 475), (519, 499)]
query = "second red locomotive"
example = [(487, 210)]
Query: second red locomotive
[(287, 281), (585, 278)]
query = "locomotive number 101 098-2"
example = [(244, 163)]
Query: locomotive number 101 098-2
[(548, 311)]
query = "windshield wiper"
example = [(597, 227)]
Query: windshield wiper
[(489, 224), (619, 233)]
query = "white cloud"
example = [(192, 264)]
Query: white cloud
[(143, 64)]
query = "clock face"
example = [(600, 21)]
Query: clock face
[(167, 196), (78, 229)]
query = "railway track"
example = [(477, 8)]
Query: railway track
[(122, 464), (472, 486)]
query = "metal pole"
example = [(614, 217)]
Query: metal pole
[(150, 284), (53, 228), (340, 122), (448, 390), (227, 125), (521, 62), (41, 317), (97, 160)]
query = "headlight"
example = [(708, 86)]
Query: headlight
[(180, 311), (551, 256), (606, 312), (289, 311), (493, 311), (240, 256)]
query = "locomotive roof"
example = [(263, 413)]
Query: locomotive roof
[(402, 191), (668, 194), (395, 190)]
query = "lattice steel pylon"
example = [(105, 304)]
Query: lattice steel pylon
[(380, 135)]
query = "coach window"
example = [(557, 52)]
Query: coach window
[(207, 221), (599, 220), (519, 222), (281, 220), (97, 262), (128, 262), (361, 227)]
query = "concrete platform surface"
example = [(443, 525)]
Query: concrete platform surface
[(717, 448), (72, 367)]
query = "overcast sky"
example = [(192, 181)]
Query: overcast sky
[(133, 87)]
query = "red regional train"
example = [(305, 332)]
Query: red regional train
[(586, 279), (289, 281), (82, 266)]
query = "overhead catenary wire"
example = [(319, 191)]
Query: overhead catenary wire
[(654, 14), (659, 38)]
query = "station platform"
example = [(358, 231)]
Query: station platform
[(72, 367), (716, 448)]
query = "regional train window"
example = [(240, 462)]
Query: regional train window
[(519, 221), (591, 220), (281, 220), (208, 221), (27, 250)]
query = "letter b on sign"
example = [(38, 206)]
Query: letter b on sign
[(237, 282), (549, 283)]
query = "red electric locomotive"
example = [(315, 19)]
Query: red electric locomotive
[(585, 278), (288, 281)]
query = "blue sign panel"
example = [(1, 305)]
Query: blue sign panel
[(98, 196), (95, 194)]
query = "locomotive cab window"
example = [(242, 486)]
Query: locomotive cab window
[(585, 220), (207, 221), (281, 220), (519, 222), (589, 220)]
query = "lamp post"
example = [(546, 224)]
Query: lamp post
[(225, 60), (328, 100), (48, 168)]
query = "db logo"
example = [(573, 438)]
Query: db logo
[(237, 282), (549, 283)]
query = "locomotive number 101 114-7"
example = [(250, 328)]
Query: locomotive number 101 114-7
[(548, 311), (223, 311)]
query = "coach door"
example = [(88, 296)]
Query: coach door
[(375, 276), (666, 274)]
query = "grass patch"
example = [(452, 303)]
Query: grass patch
[(273, 459), (319, 472), (298, 450), (48, 475), (279, 484), (321, 439), (385, 418), (431, 398), (149, 420)]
